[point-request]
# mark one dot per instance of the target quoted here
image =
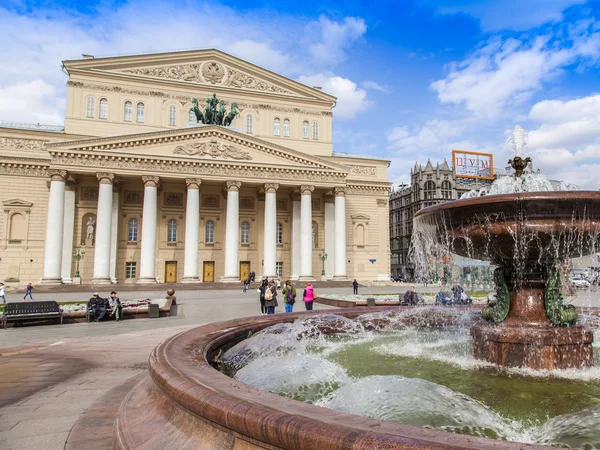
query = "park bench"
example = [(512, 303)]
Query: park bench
[(24, 311)]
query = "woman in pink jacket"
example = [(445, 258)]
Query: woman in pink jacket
[(309, 296)]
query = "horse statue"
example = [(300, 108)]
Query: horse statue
[(221, 113), (197, 112), (232, 115)]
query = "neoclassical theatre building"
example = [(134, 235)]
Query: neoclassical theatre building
[(133, 190)]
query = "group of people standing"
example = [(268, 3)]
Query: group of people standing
[(268, 296)]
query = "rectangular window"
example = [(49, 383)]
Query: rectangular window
[(130, 270), (279, 269)]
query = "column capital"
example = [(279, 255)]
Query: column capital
[(234, 185), (329, 197), (296, 195), (340, 191), (150, 180), (382, 202), (105, 177), (271, 187), (71, 184), (193, 183), (306, 189), (57, 174)]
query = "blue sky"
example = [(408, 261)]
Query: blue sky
[(414, 78)]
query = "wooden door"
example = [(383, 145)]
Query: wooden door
[(244, 270), (209, 272), (171, 272)]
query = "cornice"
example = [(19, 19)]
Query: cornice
[(19, 168), (174, 136)]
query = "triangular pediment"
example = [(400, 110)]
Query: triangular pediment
[(16, 203), (201, 67), (209, 143)]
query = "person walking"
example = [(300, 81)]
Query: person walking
[(289, 296), (271, 298), (309, 296), (28, 291), (261, 292), (355, 286), (246, 283), (2, 295)]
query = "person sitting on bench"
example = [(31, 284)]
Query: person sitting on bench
[(115, 306), (97, 305)]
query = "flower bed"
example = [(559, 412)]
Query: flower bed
[(70, 308)]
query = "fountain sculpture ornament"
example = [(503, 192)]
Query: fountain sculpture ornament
[(527, 235)]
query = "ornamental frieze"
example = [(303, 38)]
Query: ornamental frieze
[(22, 144), (213, 149), (363, 170), (23, 169)]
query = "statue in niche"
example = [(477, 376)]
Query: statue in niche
[(91, 225)]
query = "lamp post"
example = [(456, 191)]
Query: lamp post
[(323, 257), (78, 254)]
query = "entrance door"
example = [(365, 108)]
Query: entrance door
[(209, 272), (244, 270), (171, 272)]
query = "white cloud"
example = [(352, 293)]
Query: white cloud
[(504, 74), (374, 86), (30, 102), (350, 98), (334, 38)]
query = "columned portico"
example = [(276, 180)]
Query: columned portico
[(270, 230), (103, 229), (340, 234), (295, 257), (232, 227), (329, 235), (306, 246), (149, 226), (192, 225), (54, 228)]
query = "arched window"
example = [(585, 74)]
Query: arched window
[(429, 190), (132, 230), (140, 113), (279, 238), (315, 235), (128, 111), (315, 130), (446, 190), (245, 233), (172, 230), (305, 129), (172, 116), (193, 117), (103, 108), (209, 232), (249, 123), (286, 128), (89, 107), (17, 227), (276, 127), (360, 235)]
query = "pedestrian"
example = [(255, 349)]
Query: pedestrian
[(309, 296), (246, 283), (289, 296), (28, 290), (115, 306), (261, 292), (355, 286), (271, 298), (2, 293)]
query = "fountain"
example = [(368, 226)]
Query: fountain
[(527, 233)]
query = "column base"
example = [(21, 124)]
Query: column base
[(146, 280), (340, 278), (101, 280), (114, 280), (190, 280), (50, 282), (230, 280), (294, 278), (306, 278)]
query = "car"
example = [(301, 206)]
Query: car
[(580, 283)]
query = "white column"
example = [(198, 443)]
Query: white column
[(54, 228), (329, 235), (68, 232), (232, 233), (340, 234), (103, 229), (295, 273), (270, 230), (192, 226), (114, 234), (306, 246), (383, 224), (149, 226)]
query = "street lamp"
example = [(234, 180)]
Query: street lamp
[(323, 257), (78, 254)]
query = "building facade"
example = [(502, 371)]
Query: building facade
[(146, 195), (429, 185)]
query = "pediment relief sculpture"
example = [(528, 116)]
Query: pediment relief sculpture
[(211, 72), (363, 170), (22, 144), (213, 149)]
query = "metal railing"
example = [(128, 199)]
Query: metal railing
[(32, 126)]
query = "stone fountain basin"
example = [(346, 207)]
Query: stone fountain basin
[(186, 403), (561, 223)]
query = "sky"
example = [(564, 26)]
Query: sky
[(414, 79)]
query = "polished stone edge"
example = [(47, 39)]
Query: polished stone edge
[(185, 393)]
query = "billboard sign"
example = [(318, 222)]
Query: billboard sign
[(479, 166)]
